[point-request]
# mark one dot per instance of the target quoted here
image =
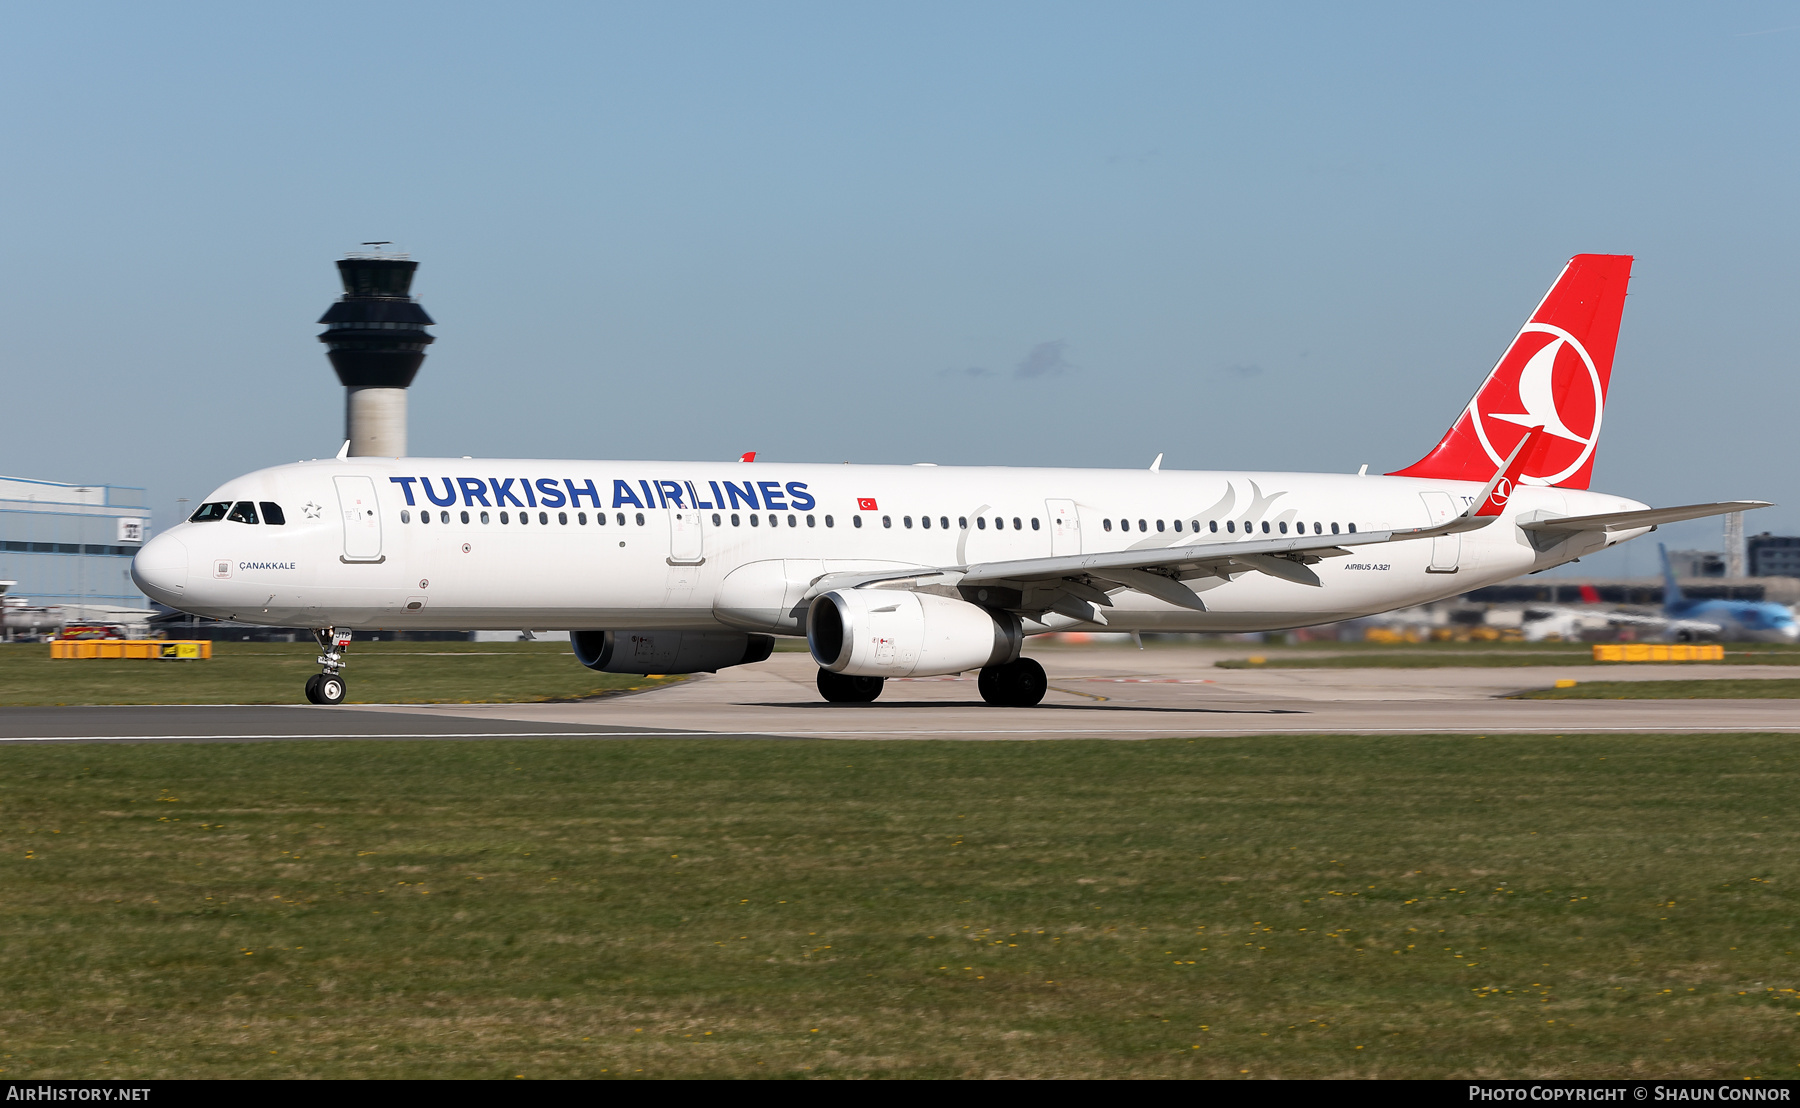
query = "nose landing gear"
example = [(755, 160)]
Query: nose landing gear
[(328, 687)]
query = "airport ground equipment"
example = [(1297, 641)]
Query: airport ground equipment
[(163, 649), (1658, 652)]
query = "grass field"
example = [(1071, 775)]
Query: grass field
[(1755, 688), (1276, 906), (1439, 655), (275, 673)]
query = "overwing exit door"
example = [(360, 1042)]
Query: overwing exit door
[(1446, 550), (362, 518), (1065, 527)]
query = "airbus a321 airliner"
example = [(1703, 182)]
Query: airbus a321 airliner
[(898, 571)]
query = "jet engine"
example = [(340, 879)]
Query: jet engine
[(668, 651), (891, 633)]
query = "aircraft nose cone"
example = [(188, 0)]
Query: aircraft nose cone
[(161, 569)]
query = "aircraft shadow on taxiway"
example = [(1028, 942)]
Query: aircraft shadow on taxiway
[(931, 705)]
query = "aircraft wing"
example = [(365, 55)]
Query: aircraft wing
[(1649, 517), (1075, 583)]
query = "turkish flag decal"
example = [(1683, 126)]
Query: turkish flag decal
[(865, 503)]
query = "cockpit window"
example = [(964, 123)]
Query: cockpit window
[(243, 512), (272, 513), (210, 513)]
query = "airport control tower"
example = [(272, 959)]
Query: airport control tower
[(376, 338)]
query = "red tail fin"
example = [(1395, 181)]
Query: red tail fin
[(1555, 374)]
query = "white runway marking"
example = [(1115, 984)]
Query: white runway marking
[(1147, 732)]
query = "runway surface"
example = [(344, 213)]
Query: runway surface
[(265, 723), (1096, 692)]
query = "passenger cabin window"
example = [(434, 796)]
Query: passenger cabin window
[(907, 520), (829, 522), (242, 512), (981, 523), (640, 518), (925, 522), (1284, 526), (1265, 526), (887, 521), (1334, 529), (716, 520), (443, 517), (812, 521), (944, 522), (755, 520), (1016, 526), (484, 517), (1034, 523), (210, 513), (1353, 528), (999, 523), (856, 521), (1211, 525), (1159, 525), (544, 518), (1106, 525), (405, 516), (272, 513), (465, 517), (562, 519), (1230, 527), (505, 518), (424, 517), (962, 522), (1178, 525)]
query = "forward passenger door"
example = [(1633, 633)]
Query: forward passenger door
[(361, 516)]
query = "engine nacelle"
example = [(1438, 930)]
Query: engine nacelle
[(891, 633), (668, 651)]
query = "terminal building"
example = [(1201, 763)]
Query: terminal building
[(70, 547), (1773, 555)]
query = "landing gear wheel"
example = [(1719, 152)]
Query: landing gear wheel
[(842, 688), (1019, 684), (312, 688), (329, 690)]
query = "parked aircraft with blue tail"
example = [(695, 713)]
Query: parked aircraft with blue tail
[(1727, 620)]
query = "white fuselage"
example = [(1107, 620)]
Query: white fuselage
[(704, 546)]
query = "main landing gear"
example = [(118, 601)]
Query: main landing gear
[(328, 687), (842, 688), (1019, 684)]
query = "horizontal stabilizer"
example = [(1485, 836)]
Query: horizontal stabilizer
[(1649, 517)]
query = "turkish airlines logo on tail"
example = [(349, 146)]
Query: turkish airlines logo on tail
[(1547, 379)]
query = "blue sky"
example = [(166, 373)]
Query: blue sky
[(1247, 236)]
